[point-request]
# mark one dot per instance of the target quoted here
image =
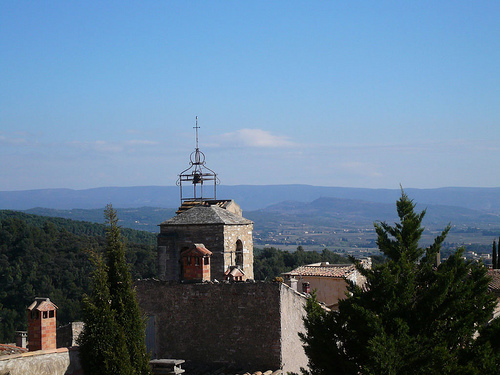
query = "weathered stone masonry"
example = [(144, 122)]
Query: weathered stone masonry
[(216, 228), (252, 325)]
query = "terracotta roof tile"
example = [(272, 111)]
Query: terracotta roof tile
[(42, 304), (494, 285), (198, 249), (6, 349), (323, 270)]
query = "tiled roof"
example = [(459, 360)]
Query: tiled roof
[(234, 271), (206, 215), (323, 270), (42, 304), (494, 285), (6, 349), (198, 249)]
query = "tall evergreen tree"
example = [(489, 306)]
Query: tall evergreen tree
[(494, 255), (497, 265), (103, 350), (113, 340), (411, 316), (123, 300)]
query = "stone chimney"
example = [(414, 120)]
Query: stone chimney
[(42, 325), (21, 339)]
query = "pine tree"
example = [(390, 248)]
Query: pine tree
[(411, 317), (113, 340), (494, 255)]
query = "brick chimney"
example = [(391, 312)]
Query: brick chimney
[(196, 263), (41, 325)]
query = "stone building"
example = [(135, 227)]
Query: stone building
[(328, 280), (228, 318), (247, 325), (218, 225), (228, 236)]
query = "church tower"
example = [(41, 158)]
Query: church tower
[(205, 222)]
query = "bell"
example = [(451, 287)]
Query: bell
[(196, 178)]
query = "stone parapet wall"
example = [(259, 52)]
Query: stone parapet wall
[(292, 305), (245, 324), (63, 361)]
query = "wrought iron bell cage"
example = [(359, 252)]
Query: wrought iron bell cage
[(197, 175)]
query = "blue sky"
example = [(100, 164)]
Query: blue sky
[(360, 94)]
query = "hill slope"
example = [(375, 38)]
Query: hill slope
[(48, 257)]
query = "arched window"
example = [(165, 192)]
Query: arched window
[(239, 254)]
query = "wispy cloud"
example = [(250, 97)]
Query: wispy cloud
[(255, 138), (12, 140)]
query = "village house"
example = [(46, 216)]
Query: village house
[(328, 281)]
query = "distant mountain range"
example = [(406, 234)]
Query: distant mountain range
[(249, 197), (274, 209)]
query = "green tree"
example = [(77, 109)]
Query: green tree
[(103, 350), (497, 264), (113, 305), (411, 317), (494, 254)]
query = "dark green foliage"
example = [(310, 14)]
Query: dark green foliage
[(103, 349), (271, 262), (41, 257), (123, 301), (494, 254), (497, 264), (412, 317)]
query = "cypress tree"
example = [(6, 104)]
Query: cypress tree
[(494, 255), (411, 316), (123, 300), (103, 349), (113, 340), (497, 265)]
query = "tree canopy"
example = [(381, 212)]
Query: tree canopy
[(48, 257), (413, 316), (271, 262)]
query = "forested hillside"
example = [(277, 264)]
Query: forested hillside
[(48, 257), (270, 262)]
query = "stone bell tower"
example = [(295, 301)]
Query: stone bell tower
[(202, 219)]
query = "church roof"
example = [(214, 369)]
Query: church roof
[(200, 215), (323, 270)]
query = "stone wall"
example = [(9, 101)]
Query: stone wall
[(68, 335), (292, 305), (219, 239), (245, 324), (233, 233), (63, 361)]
